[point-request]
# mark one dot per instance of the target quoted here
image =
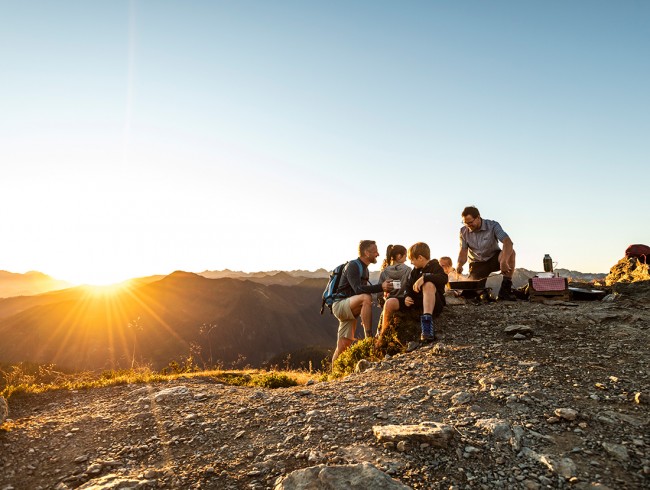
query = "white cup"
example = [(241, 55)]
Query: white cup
[(397, 284)]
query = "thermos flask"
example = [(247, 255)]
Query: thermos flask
[(548, 263)]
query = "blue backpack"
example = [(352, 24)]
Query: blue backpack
[(329, 294)]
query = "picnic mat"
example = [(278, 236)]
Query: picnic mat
[(549, 283)]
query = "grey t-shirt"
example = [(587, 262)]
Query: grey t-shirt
[(484, 242)]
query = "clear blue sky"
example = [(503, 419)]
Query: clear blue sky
[(141, 137)]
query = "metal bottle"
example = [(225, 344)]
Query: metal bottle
[(548, 263)]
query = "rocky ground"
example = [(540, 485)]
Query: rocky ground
[(514, 395)]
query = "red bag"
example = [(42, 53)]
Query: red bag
[(638, 251)]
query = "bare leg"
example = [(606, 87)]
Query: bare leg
[(361, 305), (341, 345), (390, 307), (429, 297)]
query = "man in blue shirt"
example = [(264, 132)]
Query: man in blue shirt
[(479, 238)]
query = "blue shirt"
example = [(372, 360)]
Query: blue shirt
[(483, 243)]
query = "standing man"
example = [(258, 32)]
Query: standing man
[(480, 237), (354, 296)]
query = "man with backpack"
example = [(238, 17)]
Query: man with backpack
[(353, 296)]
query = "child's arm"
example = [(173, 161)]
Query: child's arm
[(436, 275)]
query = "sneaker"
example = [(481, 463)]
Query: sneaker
[(428, 332)]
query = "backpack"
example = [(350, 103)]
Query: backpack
[(638, 251), (329, 294)]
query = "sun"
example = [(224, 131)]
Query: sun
[(96, 277)]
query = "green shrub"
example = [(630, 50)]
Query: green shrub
[(348, 359), (403, 328), (273, 380)]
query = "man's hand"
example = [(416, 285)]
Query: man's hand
[(418, 284), (505, 268), (387, 285), (459, 269), (408, 301)]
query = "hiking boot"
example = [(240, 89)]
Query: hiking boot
[(505, 292), (426, 324), (507, 296)]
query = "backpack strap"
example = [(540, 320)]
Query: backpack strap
[(360, 265)]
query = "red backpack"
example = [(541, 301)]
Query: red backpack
[(638, 251)]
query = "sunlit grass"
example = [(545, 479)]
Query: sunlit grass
[(22, 379)]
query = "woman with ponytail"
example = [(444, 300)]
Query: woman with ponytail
[(394, 269)]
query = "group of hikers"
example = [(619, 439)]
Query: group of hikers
[(422, 287)]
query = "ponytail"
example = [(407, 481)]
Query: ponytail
[(388, 258), (391, 254)]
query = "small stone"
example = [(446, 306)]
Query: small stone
[(412, 345), (362, 365), (566, 413), (94, 469), (461, 398), (617, 451)]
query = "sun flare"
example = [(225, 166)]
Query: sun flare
[(107, 289)]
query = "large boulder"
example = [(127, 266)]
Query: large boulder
[(627, 270), (361, 476)]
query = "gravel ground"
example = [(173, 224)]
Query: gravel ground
[(537, 396)]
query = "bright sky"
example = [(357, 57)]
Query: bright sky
[(142, 137)]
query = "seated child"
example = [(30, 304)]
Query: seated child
[(395, 269), (447, 266), (424, 291)]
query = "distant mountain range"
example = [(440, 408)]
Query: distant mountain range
[(520, 277), (14, 284), (32, 283), (164, 320)]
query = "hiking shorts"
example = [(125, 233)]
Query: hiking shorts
[(418, 304), (347, 321), (480, 270)]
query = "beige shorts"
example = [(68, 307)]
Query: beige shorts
[(347, 321)]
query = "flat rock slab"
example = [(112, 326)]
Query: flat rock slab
[(434, 433), (499, 428), (361, 476), (522, 329)]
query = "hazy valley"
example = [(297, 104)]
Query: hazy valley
[(226, 317)]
